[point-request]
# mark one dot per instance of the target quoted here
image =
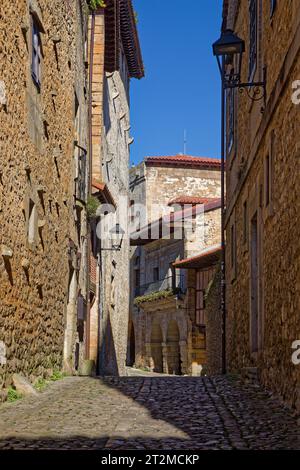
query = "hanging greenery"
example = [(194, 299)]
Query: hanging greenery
[(91, 207), (94, 4)]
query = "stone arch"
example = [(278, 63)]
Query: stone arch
[(156, 347), (173, 358)]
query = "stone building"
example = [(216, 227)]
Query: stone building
[(263, 191), (114, 59), (43, 187), (165, 331)]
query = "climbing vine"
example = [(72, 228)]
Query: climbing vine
[(94, 4)]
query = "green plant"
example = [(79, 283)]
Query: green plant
[(57, 375), (13, 395), (94, 4), (40, 384), (163, 294), (92, 206)]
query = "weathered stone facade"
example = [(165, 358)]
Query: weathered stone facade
[(263, 211), (42, 185), (167, 336), (113, 62), (158, 181), (214, 326)]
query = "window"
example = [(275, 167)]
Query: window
[(137, 278), (201, 284), (269, 175), (155, 274), (245, 222), (36, 52), (252, 37), (273, 4), (267, 180), (231, 113), (233, 251)]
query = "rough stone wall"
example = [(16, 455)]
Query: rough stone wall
[(166, 183), (115, 269), (274, 133), (214, 327), (204, 232), (37, 164), (155, 187)]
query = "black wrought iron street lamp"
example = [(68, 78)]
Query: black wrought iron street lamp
[(117, 236), (229, 50)]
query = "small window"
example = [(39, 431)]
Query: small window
[(200, 299), (273, 4), (233, 250), (36, 53), (267, 180), (155, 274), (31, 222), (231, 114), (137, 279), (245, 222), (252, 37)]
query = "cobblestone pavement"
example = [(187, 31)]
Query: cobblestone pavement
[(148, 413)]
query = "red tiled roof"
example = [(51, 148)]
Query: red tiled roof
[(181, 200), (120, 24), (101, 191), (183, 160), (207, 258)]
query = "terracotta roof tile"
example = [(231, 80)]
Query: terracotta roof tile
[(185, 160), (208, 257)]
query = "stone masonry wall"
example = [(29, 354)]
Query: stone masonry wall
[(275, 133), (115, 269), (214, 327), (36, 185), (166, 183)]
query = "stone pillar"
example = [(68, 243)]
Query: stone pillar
[(148, 359), (164, 347), (184, 357)]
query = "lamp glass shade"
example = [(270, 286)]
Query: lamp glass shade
[(228, 44), (117, 234)]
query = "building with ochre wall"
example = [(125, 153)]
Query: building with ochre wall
[(115, 59), (175, 214), (263, 191), (43, 187)]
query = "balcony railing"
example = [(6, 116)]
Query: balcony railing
[(167, 283)]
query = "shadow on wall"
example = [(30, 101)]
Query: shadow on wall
[(108, 363)]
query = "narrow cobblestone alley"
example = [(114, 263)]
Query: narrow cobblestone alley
[(175, 413)]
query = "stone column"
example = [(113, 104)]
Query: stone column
[(183, 357), (164, 347), (148, 359)]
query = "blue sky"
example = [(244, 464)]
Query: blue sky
[(181, 89)]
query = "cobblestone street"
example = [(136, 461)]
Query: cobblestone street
[(148, 413)]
